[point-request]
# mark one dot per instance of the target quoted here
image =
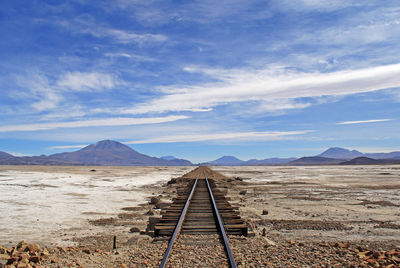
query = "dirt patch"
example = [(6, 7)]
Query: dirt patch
[(388, 225), (77, 195), (132, 208), (104, 221), (380, 203), (304, 225), (307, 198), (128, 216)]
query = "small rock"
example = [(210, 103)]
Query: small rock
[(134, 230), (270, 242), (150, 212), (35, 259), (86, 250), (172, 181), (161, 205), (22, 245), (24, 265), (4, 256), (265, 212), (154, 201), (4, 250), (12, 260), (32, 248), (92, 170), (24, 256), (243, 192)]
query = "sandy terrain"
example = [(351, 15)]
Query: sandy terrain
[(322, 203), (308, 210)]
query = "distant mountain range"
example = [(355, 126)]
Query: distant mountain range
[(340, 153), (106, 152), (332, 156), (233, 161), (113, 153)]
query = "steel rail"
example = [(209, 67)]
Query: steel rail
[(178, 226), (221, 225)]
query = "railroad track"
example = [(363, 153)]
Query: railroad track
[(201, 209)]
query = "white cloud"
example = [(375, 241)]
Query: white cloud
[(86, 24), (19, 154), (272, 84), (252, 136), (68, 147), (125, 37), (39, 91), (45, 94), (93, 123), (78, 81), (363, 121), (278, 105), (309, 5), (129, 56), (376, 149)]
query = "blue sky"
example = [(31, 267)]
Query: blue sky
[(200, 79)]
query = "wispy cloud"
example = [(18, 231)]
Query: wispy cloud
[(125, 37), (93, 123), (88, 25), (129, 56), (232, 136), (275, 84), (80, 81), (67, 147), (363, 121), (45, 94), (38, 90), (19, 154)]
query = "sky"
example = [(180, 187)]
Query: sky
[(200, 79)]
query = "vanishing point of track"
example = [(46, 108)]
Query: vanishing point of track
[(200, 209)]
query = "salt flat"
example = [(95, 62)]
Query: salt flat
[(49, 204), (46, 203)]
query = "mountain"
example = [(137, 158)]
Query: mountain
[(36, 160), (226, 161), (392, 155), (177, 161), (314, 160), (105, 152), (233, 161), (4, 155), (109, 152), (369, 161), (268, 161), (168, 157), (340, 153)]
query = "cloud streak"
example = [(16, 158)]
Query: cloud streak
[(68, 147), (93, 123), (259, 136), (79, 81), (363, 121), (272, 84)]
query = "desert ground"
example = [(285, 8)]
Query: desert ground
[(300, 216)]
